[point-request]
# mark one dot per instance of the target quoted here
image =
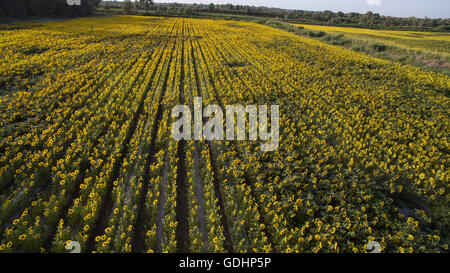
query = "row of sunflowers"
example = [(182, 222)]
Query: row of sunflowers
[(87, 153)]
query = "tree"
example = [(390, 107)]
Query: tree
[(147, 4), (247, 10), (127, 6), (47, 8), (91, 5)]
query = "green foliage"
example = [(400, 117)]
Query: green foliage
[(316, 34), (127, 6), (379, 47), (434, 62), (46, 8)]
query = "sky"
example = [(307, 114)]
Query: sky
[(398, 8)]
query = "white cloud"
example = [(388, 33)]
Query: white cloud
[(374, 2)]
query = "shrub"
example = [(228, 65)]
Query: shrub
[(379, 47)]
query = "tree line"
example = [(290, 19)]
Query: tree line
[(46, 8), (61, 8), (369, 19)]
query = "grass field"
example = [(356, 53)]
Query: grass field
[(86, 152), (435, 42)]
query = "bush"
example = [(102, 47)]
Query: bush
[(316, 34), (358, 48), (379, 47)]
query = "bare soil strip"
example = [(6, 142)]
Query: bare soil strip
[(182, 208)]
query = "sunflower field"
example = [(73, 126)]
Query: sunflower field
[(86, 152)]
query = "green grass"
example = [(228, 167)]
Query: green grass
[(426, 60)]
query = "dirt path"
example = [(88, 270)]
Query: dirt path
[(182, 208)]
